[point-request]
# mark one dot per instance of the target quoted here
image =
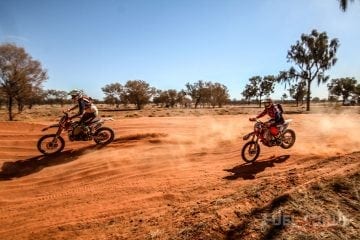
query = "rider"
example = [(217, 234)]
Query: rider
[(275, 113), (87, 110)]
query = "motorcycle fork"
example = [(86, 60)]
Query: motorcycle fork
[(57, 134), (255, 138)]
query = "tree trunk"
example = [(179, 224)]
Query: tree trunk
[(197, 103), (260, 102), (308, 97), (10, 103), (20, 107)]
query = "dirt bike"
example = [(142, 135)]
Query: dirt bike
[(251, 150), (54, 143)]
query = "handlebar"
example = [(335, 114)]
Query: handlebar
[(255, 120)]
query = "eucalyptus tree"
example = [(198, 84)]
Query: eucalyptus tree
[(219, 94), (312, 56), (343, 87), (249, 92), (298, 92), (259, 87), (20, 74), (114, 92), (197, 91), (138, 92)]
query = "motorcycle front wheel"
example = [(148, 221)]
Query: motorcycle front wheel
[(50, 144), (104, 135), (250, 151)]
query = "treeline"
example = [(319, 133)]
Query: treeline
[(21, 79), (140, 93)]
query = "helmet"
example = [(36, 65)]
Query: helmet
[(267, 102), (75, 94)]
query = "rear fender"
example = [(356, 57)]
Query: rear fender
[(285, 125), (106, 119), (102, 120)]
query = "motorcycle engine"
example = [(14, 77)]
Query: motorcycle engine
[(78, 134)]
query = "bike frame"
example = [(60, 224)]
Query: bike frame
[(260, 127), (65, 124), (257, 133)]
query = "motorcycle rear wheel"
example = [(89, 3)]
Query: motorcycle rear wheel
[(104, 135), (250, 151), (288, 139), (50, 144)]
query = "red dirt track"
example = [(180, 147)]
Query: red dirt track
[(162, 178)]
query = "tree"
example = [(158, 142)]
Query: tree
[(114, 92), (219, 94), (298, 92), (56, 96), (157, 98), (316, 99), (249, 92), (255, 83), (344, 4), (181, 99), (138, 92), (266, 86), (168, 98), (172, 95), (19, 75), (357, 93), (260, 87), (2, 97), (196, 91), (313, 55), (342, 87), (207, 93), (38, 97)]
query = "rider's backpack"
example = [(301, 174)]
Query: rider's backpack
[(280, 108)]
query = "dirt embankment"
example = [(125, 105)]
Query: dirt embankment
[(182, 178)]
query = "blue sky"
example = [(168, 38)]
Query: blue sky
[(87, 44)]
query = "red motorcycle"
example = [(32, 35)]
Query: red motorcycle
[(54, 143), (251, 150)]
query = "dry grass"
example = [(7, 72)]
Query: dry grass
[(327, 209)]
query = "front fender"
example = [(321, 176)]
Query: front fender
[(51, 126), (247, 136)]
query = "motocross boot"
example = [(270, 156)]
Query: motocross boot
[(86, 132), (278, 138)]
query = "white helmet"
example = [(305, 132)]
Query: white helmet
[(267, 102), (75, 93)]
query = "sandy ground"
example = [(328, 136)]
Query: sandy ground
[(162, 178)]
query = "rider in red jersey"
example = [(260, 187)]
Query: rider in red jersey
[(274, 111)]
